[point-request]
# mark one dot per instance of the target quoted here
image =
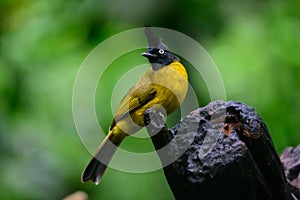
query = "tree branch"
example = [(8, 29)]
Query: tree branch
[(221, 151)]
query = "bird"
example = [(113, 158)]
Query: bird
[(164, 85)]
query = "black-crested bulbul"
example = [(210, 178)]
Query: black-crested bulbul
[(164, 84)]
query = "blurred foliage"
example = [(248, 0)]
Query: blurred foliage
[(255, 45)]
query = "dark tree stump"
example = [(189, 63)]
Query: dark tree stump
[(291, 162), (220, 151)]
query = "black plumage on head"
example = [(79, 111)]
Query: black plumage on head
[(158, 54)]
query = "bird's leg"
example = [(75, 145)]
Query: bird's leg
[(156, 127)]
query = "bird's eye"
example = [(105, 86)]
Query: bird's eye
[(161, 51)]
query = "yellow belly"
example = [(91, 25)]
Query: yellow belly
[(170, 84)]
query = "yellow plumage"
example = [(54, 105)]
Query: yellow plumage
[(163, 85), (166, 87)]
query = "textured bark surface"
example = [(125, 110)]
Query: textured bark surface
[(221, 151), (291, 162)]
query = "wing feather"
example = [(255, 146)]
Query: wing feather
[(138, 96)]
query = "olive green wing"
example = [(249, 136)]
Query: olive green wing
[(137, 96)]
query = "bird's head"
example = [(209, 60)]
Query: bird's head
[(158, 54)]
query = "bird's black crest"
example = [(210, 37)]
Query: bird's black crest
[(154, 41)]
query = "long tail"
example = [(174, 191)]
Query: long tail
[(98, 164)]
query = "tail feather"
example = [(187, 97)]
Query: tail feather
[(98, 164)]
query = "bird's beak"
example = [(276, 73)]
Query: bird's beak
[(148, 55)]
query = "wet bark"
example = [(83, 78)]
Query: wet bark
[(221, 151)]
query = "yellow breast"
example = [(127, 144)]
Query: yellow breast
[(171, 85)]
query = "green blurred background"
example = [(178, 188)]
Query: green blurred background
[(255, 45)]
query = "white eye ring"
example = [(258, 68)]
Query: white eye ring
[(161, 51)]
